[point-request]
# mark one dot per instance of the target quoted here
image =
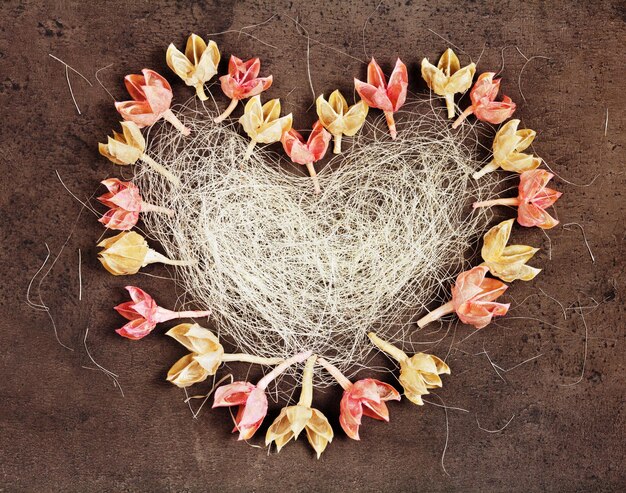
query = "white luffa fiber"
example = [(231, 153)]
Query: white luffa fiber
[(284, 270)]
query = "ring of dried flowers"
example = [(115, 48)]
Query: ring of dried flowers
[(473, 294)]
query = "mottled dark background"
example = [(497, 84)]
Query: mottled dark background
[(66, 428)]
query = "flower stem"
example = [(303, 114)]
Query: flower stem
[(193, 314), (463, 116), (450, 105), (250, 358), (492, 166), (316, 182), (200, 92), (267, 379), (306, 395), (155, 257), (160, 169), (489, 203), (336, 374), (337, 146), (231, 107), (249, 150), (436, 314), (146, 207), (173, 119), (390, 349), (391, 124)]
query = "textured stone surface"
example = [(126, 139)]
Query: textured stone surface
[(66, 428)]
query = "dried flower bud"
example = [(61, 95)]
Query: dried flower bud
[(263, 123), (197, 65), (448, 78), (507, 262), (339, 118)]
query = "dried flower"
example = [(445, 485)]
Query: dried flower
[(448, 78), (339, 118), (152, 97), (308, 152), (144, 314), (125, 204), (484, 104), (532, 200), (197, 65), (418, 374), (251, 399), (507, 262), (129, 147), (363, 397), (293, 419), (263, 123), (242, 82), (387, 97), (124, 254), (207, 354), (473, 297), (508, 145)]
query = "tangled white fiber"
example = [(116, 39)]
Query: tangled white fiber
[(284, 270)]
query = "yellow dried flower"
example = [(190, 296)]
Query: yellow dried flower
[(204, 359), (448, 78), (293, 419), (263, 123), (508, 145), (339, 118), (124, 254), (507, 262), (418, 374), (129, 147), (197, 65), (206, 356), (124, 148)]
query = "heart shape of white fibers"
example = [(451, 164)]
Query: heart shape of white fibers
[(284, 270)]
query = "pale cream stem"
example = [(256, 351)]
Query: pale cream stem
[(147, 207), (492, 166), (390, 349), (316, 182), (192, 314), (249, 150), (335, 373), (173, 119), (231, 107), (436, 314), (337, 146), (267, 379), (306, 395), (450, 105), (249, 358), (391, 123), (463, 116), (490, 203), (160, 169), (155, 257), (200, 92)]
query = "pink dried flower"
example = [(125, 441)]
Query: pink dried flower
[(473, 297), (377, 93), (144, 314), (152, 97), (242, 82), (365, 397), (484, 104), (308, 152), (125, 204), (532, 201)]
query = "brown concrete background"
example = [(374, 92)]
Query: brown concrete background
[(65, 428)]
